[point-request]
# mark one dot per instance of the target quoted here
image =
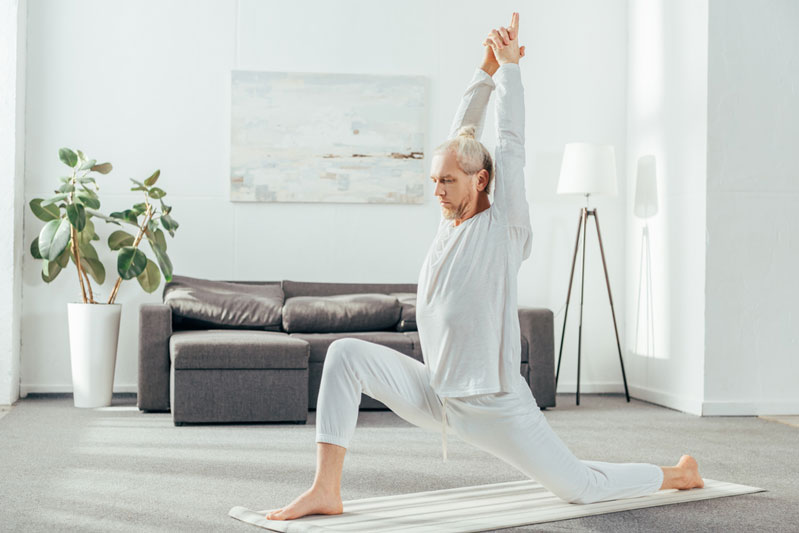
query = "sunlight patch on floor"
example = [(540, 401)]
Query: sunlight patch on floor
[(791, 420)]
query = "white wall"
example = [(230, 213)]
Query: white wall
[(146, 85), (666, 117), (12, 137), (752, 195)]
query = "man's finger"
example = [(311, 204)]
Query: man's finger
[(514, 21), (497, 38), (505, 36)]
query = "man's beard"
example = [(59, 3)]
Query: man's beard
[(452, 213)]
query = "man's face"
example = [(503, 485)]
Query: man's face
[(455, 189)]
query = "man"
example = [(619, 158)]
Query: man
[(468, 324)]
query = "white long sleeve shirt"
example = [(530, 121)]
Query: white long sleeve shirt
[(466, 310)]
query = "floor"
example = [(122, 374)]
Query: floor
[(117, 469)]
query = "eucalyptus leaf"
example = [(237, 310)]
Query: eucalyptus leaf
[(140, 208), (160, 239), (102, 168), (138, 183), (46, 213), (67, 187), (80, 154), (54, 238), (169, 223), (162, 258), (88, 164), (165, 208), (128, 215), (88, 234), (63, 259), (68, 157), (50, 270), (100, 215), (35, 249), (119, 239), (87, 179), (87, 191), (156, 193), (94, 268), (150, 278), (77, 216), (54, 199), (130, 262), (88, 200), (149, 182), (87, 251)]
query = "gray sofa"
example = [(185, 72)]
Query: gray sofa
[(226, 352)]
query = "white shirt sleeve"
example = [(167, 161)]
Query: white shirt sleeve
[(472, 109), (510, 199)]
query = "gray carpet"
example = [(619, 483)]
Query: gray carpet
[(116, 469)]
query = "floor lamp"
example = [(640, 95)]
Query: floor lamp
[(588, 169)]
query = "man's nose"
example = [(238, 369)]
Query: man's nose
[(439, 190)]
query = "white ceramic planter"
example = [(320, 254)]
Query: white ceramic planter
[(93, 337)]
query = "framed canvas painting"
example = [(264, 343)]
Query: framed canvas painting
[(342, 138)]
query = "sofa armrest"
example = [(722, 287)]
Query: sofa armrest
[(538, 328), (155, 329)]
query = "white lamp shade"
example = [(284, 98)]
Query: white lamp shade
[(588, 169), (646, 187)]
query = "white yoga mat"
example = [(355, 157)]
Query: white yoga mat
[(467, 509)]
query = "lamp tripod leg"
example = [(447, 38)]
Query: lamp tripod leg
[(568, 296), (612, 311)]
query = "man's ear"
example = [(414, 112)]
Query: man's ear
[(482, 180)]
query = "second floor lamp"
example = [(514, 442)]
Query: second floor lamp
[(588, 169)]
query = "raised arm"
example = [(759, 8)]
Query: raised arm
[(510, 200), (472, 109), (509, 158)]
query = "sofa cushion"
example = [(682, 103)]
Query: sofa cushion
[(407, 300), (340, 313), (226, 349), (221, 304), (319, 288), (320, 342)]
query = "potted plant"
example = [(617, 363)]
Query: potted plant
[(68, 234)]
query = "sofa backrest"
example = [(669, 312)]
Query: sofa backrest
[(310, 288)]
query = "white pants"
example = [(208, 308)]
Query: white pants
[(509, 426)]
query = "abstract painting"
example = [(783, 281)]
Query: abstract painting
[(343, 138)]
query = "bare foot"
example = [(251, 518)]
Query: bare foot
[(312, 501), (690, 473)]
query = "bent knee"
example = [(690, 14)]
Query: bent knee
[(342, 348)]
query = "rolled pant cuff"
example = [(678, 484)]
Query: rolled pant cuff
[(332, 439)]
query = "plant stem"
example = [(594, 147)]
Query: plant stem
[(88, 286), (76, 252), (76, 256), (147, 216)]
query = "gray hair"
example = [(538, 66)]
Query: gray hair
[(471, 155)]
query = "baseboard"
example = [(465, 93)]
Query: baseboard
[(691, 406), (25, 389), (591, 387), (756, 408)]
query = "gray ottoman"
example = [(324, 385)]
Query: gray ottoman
[(229, 376)]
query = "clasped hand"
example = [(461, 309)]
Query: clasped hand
[(502, 46)]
